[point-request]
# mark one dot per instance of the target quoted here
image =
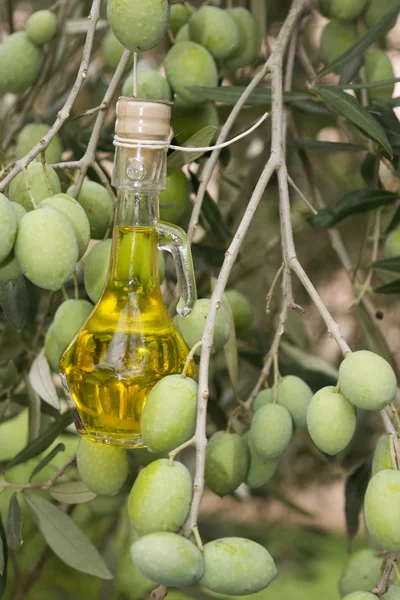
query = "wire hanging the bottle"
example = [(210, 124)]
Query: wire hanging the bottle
[(124, 142)]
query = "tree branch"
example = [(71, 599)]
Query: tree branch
[(390, 559), (45, 485), (65, 111), (274, 64), (38, 86), (89, 157), (279, 50)]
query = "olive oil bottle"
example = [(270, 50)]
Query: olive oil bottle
[(129, 341)]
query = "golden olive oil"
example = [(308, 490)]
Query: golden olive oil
[(128, 344)]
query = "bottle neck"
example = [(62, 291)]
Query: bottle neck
[(139, 175), (140, 170), (134, 262), (137, 208)]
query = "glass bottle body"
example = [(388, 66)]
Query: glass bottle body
[(129, 342)]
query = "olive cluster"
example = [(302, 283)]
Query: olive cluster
[(44, 232)]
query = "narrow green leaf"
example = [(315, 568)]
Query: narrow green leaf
[(308, 361), (47, 459), (375, 341), (358, 201), (393, 101), (3, 158), (395, 222), (367, 84), (350, 70), (42, 382), (14, 301), (296, 331), (230, 94), (328, 146), (369, 169), (230, 349), (347, 106), (356, 486), (34, 411), (386, 117), (65, 538), (14, 524), (388, 264), (291, 504), (211, 213), (206, 258), (3, 559), (389, 288), (311, 107), (41, 443), (11, 375), (3, 408), (72, 492), (178, 159), (364, 42)]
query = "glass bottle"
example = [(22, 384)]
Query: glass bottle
[(129, 341)]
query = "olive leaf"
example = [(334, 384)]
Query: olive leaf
[(358, 201), (328, 146), (47, 459), (389, 288), (376, 341), (364, 42), (231, 94), (65, 538), (43, 441), (3, 558), (212, 215), (72, 492), (14, 301), (42, 381), (356, 486), (230, 348), (14, 524), (201, 138), (347, 106), (10, 375), (388, 264), (34, 414)]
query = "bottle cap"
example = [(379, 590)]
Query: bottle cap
[(137, 167), (143, 119)]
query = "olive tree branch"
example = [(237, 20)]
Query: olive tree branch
[(45, 72), (340, 249), (335, 237), (275, 63), (280, 47), (390, 559), (64, 113), (89, 157), (272, 351), (44, 485), (391, 430), (374, 256), (289, 251)]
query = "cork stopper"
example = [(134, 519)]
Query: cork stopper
[(143, 119), (136, 166)]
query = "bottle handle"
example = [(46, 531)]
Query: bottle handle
[(173, 239)]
